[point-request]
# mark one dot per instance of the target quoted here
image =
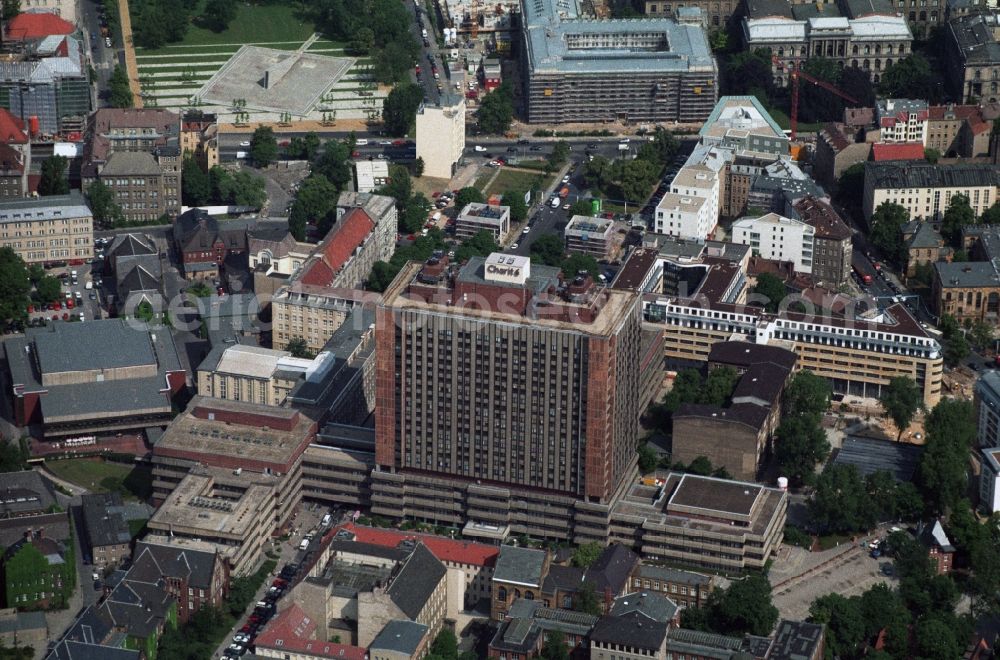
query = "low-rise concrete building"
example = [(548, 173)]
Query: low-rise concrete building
[(705, 522), (476, 217), (590, 236), (370, 174)]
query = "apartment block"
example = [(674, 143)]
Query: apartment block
[(200, 138), (441, 136), (578, 70), (685, 216), (311, 312), (476, 365), (591, 236), (778, 238), (852, 36), (704, 522), (832, 248), (958, 130), (476, 217), (925, 190), (902, 120), (137, 154), (249, 373), (973, 57), (56, 228), (836, 150)]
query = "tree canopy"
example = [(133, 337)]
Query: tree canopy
[(14, 286), (399, 109), (316, 203), (548, 249), (586, 554), (196, 188), (120, 93), (769, 291), (743, 608), (910, 78), (901, 400), (106, 211), (959, 214), (942, 474), (53, 180), (263, 146), (887, 231), (496, 110)]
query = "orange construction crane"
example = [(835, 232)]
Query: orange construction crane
[(796, 73)]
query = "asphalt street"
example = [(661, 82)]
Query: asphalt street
[(103, 58)]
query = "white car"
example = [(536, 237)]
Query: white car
[(245, 143), (526, 230), (386, 143), (513, 246), (480, 148)]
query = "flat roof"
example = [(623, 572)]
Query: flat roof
[(556, 31), (718, 495), (252, 441), (617, 306), (193, 506), (92, 345), (296, 80)]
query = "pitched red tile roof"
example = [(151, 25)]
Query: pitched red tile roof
[(36, 26), (898, 151), (939, 112), (338, 246), (11, 128), (291, 632), (446, 550)]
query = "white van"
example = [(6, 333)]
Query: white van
[(361, 142), (326, 519), (554, 203), (423, 33), (304, 545)]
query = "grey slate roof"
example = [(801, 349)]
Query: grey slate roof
[(103, 344), (973, 36), (516, 636), (23, 493), (569, 622), (796, 640), (895, 174), (859, 8), (633, 629), (652, 605), (611, 569), (104, 519), (153, 560), (519, 565), (869, 455), (400, 636), (19, 621), (130, 163), (664, 574), (422, 572), (967, 274), (138, 279), (87, 345), (130, 245), (702, 644), (925, 236), (73, 650), (934, 535)]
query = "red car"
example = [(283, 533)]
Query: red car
[(279, 583), (69, 304), (398, 143), (76, 262), (55, 317), (220, 291), (356, 154), (65, 316), (31, 309), (246, 629), (435, 194)]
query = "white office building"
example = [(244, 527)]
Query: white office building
[(989, 481), (441, 136), (778, 238), (685, 216)]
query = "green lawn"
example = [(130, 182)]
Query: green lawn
[(253, 24), (509, 179), (785, 123), (132, 481)]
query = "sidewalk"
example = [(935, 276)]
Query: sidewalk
[(131, 66)]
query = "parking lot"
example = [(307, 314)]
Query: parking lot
[(799, 577), (80, 298)]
